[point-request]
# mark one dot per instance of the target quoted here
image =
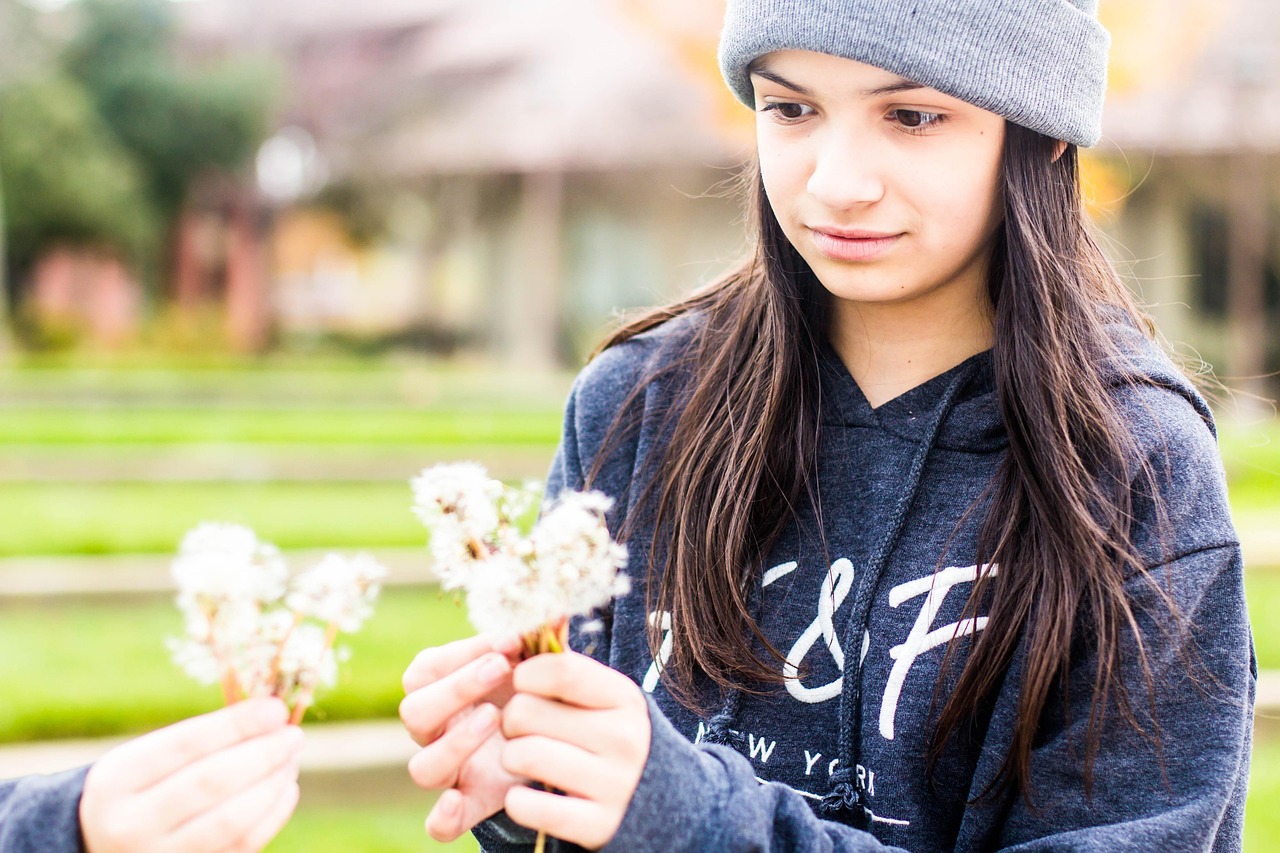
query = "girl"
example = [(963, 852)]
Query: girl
[(224, 782), (930, 543)]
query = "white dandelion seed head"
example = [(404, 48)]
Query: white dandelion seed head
[(568, 565), (306, 662), (196, 659), (504, 595), (463, 491), (453, 552), (339, 591), (574, 553), (243, 621), (218, 563)]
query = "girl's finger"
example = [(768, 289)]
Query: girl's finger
[(575, 679), (425, 711), (595, 731), (558, 765), (269, 826), (438, 763), (444, 821), (211, 780), (232, 822), (435, 663), (572, 819), (143, 762)]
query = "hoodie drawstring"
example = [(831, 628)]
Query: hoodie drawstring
[(846, 800)]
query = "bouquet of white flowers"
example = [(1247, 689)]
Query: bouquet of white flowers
[(255, 631), (568, 565)]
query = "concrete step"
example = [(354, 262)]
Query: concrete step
[(330, 748), (131, 574), (255, 463)]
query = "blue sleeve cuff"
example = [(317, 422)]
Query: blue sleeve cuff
[(501, 834), (676, 795), (41, 814)]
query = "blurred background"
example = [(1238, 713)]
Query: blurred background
[(263, 261)]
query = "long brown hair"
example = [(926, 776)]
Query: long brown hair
[(744, 443)]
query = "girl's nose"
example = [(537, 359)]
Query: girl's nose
[(846, 175)]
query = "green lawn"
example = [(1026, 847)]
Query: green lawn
[(363, 829), (125, 518), (1263, 588), (136, 425), (1262, 815), (94, 668)]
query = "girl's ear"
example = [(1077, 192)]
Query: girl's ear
[(1058, 149)]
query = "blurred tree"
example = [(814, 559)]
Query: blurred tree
[(66, 178), (21, 50), (177, 123)]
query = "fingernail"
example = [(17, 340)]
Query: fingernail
[(493, 669), (270, 712), (482, 719), (506, 643), (447, 805), (294, 739)]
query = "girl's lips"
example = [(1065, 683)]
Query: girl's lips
[(864, 246)]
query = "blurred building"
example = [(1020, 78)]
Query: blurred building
[(531, 166), (525, 168), (1193, 126)]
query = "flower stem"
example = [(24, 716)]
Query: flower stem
[(552, 638), (304, 701)]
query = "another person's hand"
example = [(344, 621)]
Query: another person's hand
[(224, 782), (581, 728), (451, 709)]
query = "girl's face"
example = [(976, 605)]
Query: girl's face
[(889, 190)]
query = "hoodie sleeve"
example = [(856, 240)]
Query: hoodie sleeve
[(41, 814), (706, 798)]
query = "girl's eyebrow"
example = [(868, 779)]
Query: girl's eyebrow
[(901, 84)]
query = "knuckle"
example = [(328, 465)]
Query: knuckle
[(227, 824), (208, 788), (120, 831), (515, 757), (426, 774), (515, 713), (421, 670), (516, 804)]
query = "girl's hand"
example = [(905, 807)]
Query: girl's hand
[(225, 782), (576, 726), (451, 710)]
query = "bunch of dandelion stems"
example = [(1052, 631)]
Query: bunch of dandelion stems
[(552, 638), (233, 691)]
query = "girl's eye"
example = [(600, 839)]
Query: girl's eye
[(787, 111), (917, 121)]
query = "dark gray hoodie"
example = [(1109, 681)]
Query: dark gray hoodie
[(835, 759)]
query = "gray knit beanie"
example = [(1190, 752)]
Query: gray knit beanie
[(1038, 63)]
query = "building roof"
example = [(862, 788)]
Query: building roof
[(490, 85), (1209, 78), (422, 87)]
